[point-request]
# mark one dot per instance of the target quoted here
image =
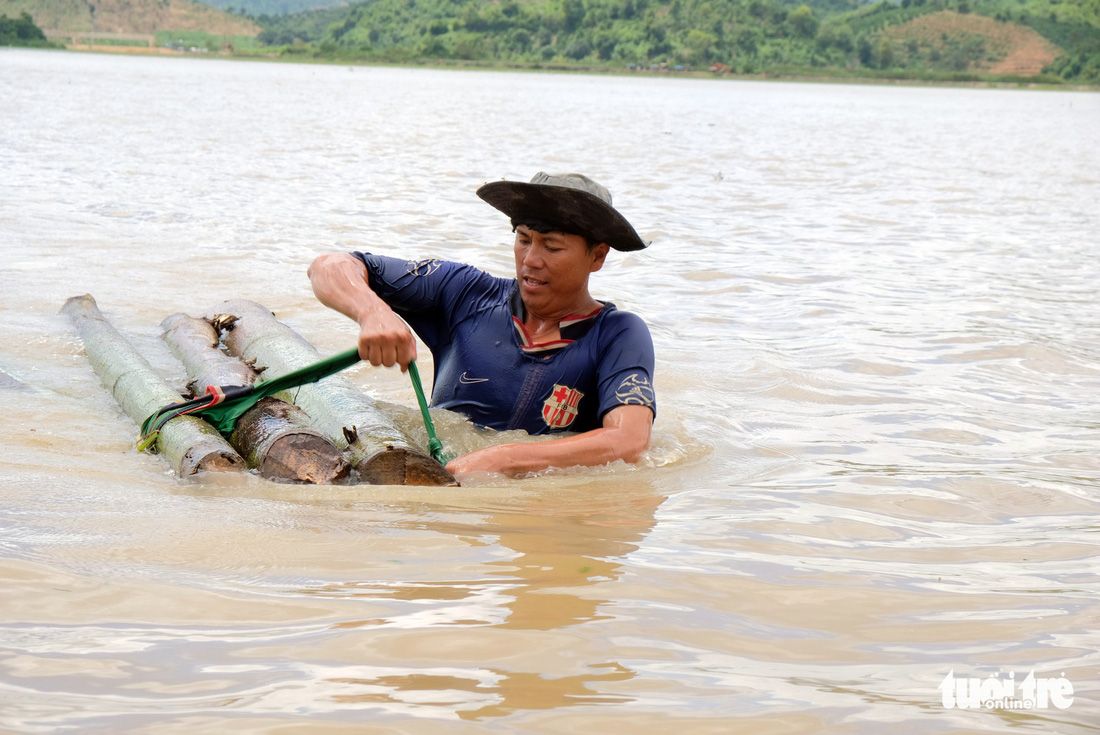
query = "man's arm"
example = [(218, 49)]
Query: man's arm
[(339, 281), (624, 435)]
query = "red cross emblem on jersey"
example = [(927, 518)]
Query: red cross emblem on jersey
[(559, 410)]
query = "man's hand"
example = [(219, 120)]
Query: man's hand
[(385, 339), (500, 458), (340, 282), (624, 435)]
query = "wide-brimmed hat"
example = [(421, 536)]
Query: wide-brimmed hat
[(571, 203)]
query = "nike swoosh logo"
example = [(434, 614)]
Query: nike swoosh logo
[(470, 381)]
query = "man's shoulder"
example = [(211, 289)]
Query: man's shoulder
[(429, 268), (616, 320)]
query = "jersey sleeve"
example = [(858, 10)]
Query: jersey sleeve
[(431, 295), (625, 371)]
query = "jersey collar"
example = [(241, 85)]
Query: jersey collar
[(571, 327)]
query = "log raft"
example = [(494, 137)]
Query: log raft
[(189, 444), (379, 451), (273, 436)]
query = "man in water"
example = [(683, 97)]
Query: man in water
[(536, 352)]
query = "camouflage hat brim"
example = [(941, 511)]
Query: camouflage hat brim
[(566, 208)]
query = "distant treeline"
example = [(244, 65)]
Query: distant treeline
[(743, 36), (272, 7), (21, 31)]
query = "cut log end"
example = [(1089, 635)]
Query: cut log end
[(206, 459), (398, 466), (76, 304), (421, 470), (304, 457), (277, 440)]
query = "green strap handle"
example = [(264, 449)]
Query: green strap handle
[(435, 447), (223, 409)]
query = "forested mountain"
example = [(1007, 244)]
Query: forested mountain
[(273, 7), (1014, 38), (1048, 40), (21, 31), (127, 16)]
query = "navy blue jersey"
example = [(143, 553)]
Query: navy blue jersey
[(487, 368)]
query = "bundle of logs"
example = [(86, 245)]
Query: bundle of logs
[(327, 432)]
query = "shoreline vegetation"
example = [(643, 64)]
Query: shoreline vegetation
[(816, 76), (912, 42)]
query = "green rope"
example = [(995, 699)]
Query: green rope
[(237, 399), (435, 447), (221, 407)]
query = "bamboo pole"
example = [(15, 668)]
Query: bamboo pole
[(189, 444), (273, 436), (379, 451)]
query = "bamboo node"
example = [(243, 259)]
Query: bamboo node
[(223, 322)]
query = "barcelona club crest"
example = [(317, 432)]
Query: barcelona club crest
[(559, 410)]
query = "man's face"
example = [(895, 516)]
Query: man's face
[(552, 269)]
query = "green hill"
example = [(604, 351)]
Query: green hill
[(1043, 40), (298, 28), (21, 31), (273, 7), (938, 39), (128, 16)]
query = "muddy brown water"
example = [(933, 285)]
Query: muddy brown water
[(874, 465)]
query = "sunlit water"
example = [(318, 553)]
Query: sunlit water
[(875, 460)]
